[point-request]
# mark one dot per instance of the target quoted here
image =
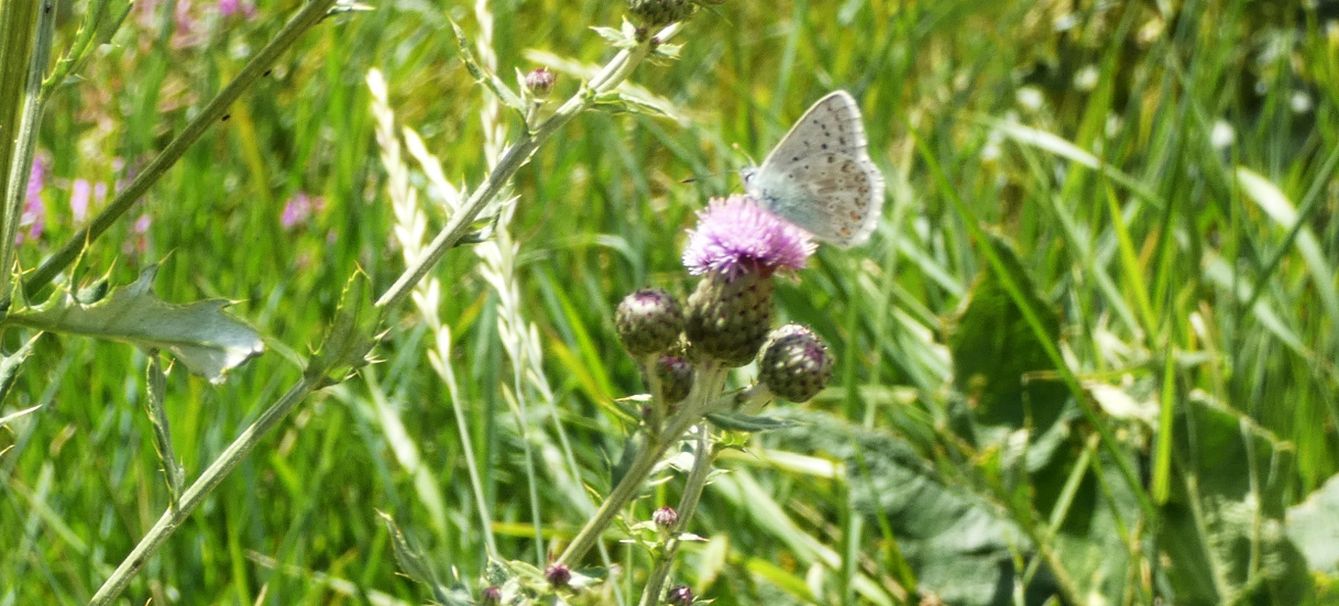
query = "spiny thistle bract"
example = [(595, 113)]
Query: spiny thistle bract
[(728, 319), (795, 363), (659, 13), (676, 378), (648, 321)]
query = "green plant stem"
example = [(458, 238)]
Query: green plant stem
[(310, 14), (516, 155), (315, 377), (700, 401), (25, 138), (692, 493), (195, 494)]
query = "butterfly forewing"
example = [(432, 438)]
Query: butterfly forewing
[(820, 177)]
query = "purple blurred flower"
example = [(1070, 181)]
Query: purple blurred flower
[(229, 8), (735, 236), (33, 214), (80, 194), (299, 208)]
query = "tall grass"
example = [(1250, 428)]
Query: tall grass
[(1166, 181)]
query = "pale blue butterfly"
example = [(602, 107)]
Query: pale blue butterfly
[(820, 178)]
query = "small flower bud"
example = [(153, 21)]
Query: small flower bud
[(558, 575), (665, 517), (540, 82), (727, 318), (676, 378), (795, 363), (492, 595), (659, 13), (648, 321), (679, 595)]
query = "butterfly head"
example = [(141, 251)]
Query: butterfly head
[(747, 174)]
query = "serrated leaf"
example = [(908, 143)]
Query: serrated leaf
[(483, 75), (11, 364), (208, 340), (616, 37), (352, 334), (735, 421), (414, 566)]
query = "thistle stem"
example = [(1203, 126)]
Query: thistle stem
[(701, 400), (692, 493), (305, 19)]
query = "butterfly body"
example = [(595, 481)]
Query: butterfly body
[(820, 178)]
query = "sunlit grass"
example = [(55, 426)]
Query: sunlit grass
[(1135, 162)]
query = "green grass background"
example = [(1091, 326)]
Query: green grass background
[(602, 211)]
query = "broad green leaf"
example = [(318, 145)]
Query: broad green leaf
[(208, 340), (1313, 525), (997, 357), (1222, 527)]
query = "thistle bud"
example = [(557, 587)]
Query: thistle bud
[(648, 321), (679, 595), (558, 575), (727, 319), (540, 82), (665, 517), (795, 363), (659, 13), (676, 378), (492, 595)]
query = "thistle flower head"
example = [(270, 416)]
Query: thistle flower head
[(680, 595), (795, 364), (558, 575), (736, 236), (676, 378), (540, 81), (665, 517), (648, 321)]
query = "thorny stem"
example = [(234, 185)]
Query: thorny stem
[(305, 19), (700, 401), (703, 455), (610, 77), (223, 465), (25, 139), (613, 74)]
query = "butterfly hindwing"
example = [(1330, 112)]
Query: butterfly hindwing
[(820, 178)]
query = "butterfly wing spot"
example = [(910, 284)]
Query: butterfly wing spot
[(819, 177)]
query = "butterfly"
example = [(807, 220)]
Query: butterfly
[(819, 177)]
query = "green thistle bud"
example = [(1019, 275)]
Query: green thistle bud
[(540, 82), (681, 595), (676, 378), (659, 13), (727, 319), (648, 321), (795, 363), (558, 575)]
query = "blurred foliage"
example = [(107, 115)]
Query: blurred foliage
[(1097, 148)]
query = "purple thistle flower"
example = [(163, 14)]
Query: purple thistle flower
[(80, 194), (33, 216), (735, 236), (299, 208), (229, 8)]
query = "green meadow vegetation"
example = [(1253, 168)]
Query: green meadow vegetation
[(1089, 356)]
